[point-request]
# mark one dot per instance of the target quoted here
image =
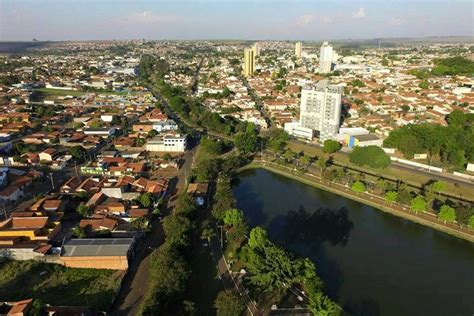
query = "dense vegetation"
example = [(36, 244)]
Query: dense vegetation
[(48, 282), (453, 66), (169, 265), (372, 156), (452, 145), (444, 67)]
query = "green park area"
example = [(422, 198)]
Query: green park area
[(50, 283), (417, 180)]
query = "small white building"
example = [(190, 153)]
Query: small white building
[(296, 130), (167, 143)]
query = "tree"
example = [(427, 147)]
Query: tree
[(470, 223), (177, 230), (321, 163), (36, 308), (331, 146), (145, 199), (83, 210), (372, 156), (438, 186), (185, 205), (207, 232), (447, 214), (381, 184), (229, 303), (418, 204), (423, 85), (247, 141), (233, 217), (358, 187), (139, 224), (152, 133), (276, 139), (390, 197), (223, 199), (305, 161), (79, 232), (78, 152)]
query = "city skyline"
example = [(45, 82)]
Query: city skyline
[(252, 20)]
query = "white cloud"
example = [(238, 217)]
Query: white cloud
[(305, 19), (310, 18), (396, 21), (149, 17), (359, 14)]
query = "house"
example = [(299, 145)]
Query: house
[(11, 193), (32, 227), (71, 185), (48, 154), (19, 308)]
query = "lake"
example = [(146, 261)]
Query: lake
[(371, 262)]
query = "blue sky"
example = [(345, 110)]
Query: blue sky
[(233, 19)]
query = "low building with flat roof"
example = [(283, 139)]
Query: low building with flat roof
[(98, 253)]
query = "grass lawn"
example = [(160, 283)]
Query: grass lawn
[(57, 285), (59, 92)]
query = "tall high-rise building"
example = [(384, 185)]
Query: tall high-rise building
[(298, 49), (249, 62), (325, 58), (320, 109), (256, 48)]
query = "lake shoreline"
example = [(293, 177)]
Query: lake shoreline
[(348, 194)]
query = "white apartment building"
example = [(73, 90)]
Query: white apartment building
[(167, 143), (298, 49), (325, 58), (320, 109)]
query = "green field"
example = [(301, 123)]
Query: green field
[(57, 285), (48, 92)]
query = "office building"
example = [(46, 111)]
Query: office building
[(298, 49), (249, 62), (321, 109), (325, 58)]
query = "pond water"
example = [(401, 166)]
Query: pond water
[(371, 262)]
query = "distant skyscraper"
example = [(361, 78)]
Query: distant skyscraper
[(320, 109), (325, 58), (249, 62), (256, 48), (298, 49)]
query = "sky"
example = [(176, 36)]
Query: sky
[(24, 20)]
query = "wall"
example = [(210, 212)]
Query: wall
[(96, 262)]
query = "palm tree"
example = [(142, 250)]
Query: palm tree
[(321, 164)]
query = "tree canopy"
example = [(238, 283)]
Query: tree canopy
[(358, 187), (453, 145), (447, 213), (418, 204), (372, 156), (229, 303), (331, 146)]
